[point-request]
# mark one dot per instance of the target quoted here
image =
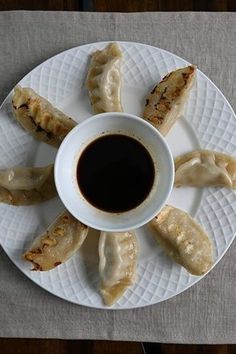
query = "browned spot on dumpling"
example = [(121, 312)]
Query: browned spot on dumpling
[(83, 226), (153, 90), (47, 241), (30, 256), (59, 231), (49, 135), (36, 266), (24, 105), (156, 120), (36, 251), (39, 129), (166, 77), (65, 218), (163, 94), (32, 121), (147, 102)]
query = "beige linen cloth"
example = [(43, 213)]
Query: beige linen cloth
[(206, 313)]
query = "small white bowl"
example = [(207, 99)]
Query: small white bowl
[(70, 152)]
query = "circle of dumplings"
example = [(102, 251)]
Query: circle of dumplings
[(158, 279)]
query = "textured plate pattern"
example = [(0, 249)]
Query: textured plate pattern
[(208, 122)]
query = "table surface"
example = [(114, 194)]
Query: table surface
[(206, 313), (120, 5)]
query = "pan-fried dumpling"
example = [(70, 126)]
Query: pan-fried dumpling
[(27, 185), (104, 79), (117, 264), (183, 239), (57, 244), (205, 168), (166, 101), (39, 117)]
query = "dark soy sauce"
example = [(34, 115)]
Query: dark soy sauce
[(115, 173)]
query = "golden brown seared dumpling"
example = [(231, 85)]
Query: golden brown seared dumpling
[(104, 79), (183, 239), (203, 168), (39, 117), (166, 102), (27, 185), (57, 244), (117, 264)]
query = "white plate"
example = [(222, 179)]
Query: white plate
[(208, 122)]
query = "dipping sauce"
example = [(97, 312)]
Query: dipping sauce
[(115, 173)]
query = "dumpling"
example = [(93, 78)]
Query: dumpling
[(205, 168), (117, 264), (183, 239), (57, 244), (27, 185), (39, 117), (166, 101), (104, 79)]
